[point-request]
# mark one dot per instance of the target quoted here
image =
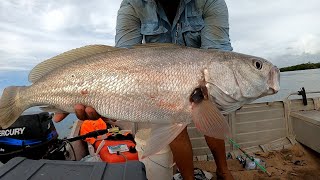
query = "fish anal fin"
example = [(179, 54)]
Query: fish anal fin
[(162, 135), (209, 120)]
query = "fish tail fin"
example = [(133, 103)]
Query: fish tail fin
[(11, 106), (209, 120)]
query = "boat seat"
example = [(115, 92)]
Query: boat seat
[(308, 116), (306, 127)]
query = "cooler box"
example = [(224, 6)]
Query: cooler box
[(25, 169)]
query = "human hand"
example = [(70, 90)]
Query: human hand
[(82, 112)]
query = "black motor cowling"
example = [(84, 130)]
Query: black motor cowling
[(30, 136)]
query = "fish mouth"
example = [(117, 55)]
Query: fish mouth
[(271, 91), (273, 81)]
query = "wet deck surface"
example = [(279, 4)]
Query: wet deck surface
[(295, 163)]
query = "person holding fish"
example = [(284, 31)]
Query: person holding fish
[(193, 23), (194, 77)]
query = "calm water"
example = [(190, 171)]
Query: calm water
[(293, 81), (289, 81)]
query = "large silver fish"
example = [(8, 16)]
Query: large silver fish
[(166, 85)]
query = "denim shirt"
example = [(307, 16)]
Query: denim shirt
[(198, 23)]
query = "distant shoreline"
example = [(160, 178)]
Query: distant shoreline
[(303, 66)]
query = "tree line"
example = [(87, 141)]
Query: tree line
[(303, 66)]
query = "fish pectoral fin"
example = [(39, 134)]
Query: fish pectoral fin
[(209, 120), (162, 135), (51, 109)]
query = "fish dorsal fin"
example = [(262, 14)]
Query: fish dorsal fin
[(156, 45), (67, 57)]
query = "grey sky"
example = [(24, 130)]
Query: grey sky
[(284, 31)]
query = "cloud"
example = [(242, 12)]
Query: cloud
[(275, 28), (285, 60), (57, 19), (94, 16), (308, 43), (32, 31)]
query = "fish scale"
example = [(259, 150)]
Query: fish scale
[(147, 83), (110, 87)]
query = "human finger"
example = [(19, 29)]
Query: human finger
[(92, 113), (80, 112), (59, 116)]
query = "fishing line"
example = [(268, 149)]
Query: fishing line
[(158, 163), (250, 157)]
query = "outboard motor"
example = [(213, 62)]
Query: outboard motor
[(30, 136)]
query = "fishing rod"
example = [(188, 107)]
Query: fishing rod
[(88, 135), (250, 157), (61, 143)]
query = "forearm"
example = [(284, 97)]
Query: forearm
[(128, 26), (215, 33)]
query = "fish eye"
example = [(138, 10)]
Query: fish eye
[(257, 64)]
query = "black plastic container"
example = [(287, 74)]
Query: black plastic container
[(26, 169)]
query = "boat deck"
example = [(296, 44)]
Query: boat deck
[(296, 162)]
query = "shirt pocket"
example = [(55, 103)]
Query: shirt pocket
[(191, 30), (153, 32)]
